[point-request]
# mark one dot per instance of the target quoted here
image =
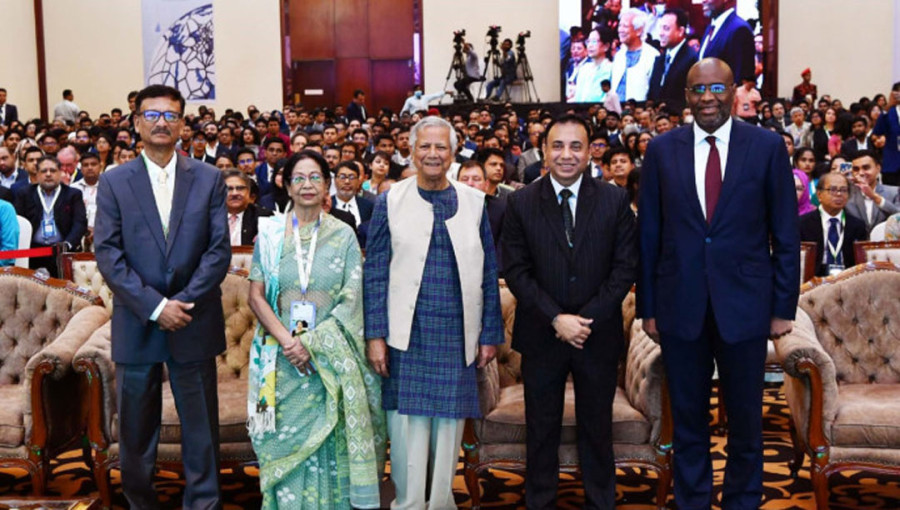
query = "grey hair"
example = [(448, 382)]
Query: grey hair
[(432, 121), (796, 109), (639, 18)]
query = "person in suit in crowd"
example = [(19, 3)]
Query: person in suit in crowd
[(728, 37), (831, 228), (859, 129), (161, 242), (8, 112), (888, 126), (670, 68), (472, 174), (710, 288), (533, 153), (870, 200), (243, 216), (275, 150), (570, 256), (56, 213), (346, 197), (198, 149), (356, 110), (9, 174)]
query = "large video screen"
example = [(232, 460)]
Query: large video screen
[(642, 49)]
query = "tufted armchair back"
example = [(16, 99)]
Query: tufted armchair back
[(240, 324), (872, 251), (32, 314), (241, 257), (857, 321)]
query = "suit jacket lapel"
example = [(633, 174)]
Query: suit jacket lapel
[(584, 211), (737, 152), (184, 177), (552, 213), (684, 157), (143, 194)]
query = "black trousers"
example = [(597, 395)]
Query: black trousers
[(139, 401), (689, 370), (594, 372), (462, 86)]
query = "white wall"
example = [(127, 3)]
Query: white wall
[(442, 17), (18, 58), (94, 48), (849, 46)]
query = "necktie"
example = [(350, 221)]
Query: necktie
[(666, 68), (834, 238), (232, 223), (163, 200), (567, 216), (713, 178)]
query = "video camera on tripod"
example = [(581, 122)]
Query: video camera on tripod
[(520, 41), (493, 33), (459, 36)]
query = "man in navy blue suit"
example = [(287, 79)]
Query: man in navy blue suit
[(713, 196), (162, 246), (675, 59), (888, 125), (728, 37)]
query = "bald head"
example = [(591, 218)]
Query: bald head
[(710, 93)]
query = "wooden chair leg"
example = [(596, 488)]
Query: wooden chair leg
[(101, 477), (799, 451), (820, 487), (39, 474), (471, 476), (662, 488)]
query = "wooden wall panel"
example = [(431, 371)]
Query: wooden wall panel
[(392, 80), (311, 25), (351, 74), (351, 30), (391, 28), (315, 75)]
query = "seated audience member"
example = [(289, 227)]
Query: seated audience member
[(274, 150), (598, 147), (870, 200), (198, 149), (273, 132), (892, 228), (243, 216), (494, 165), (798, 128), (224, 161), (620, 162), (9, 174), (246, 162), (801, 186), (30, 156), (472, 174), (56, 213), (859, 130), (380, 166), (833, 231), (299, 140), (403, 156), (347, 185), (90, 170), (9, 231), (332, 155)]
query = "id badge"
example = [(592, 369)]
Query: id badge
[(48, 229), (835, 269), (303, 316)]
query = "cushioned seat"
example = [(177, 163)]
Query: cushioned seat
[(12, 412), (842, 360)]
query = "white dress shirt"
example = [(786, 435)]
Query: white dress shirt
[(351, 207), (701, 155), (154, 170), (235, 233), (826, 224), (7, 182), (573, 200), (716, 24), (89, 194)]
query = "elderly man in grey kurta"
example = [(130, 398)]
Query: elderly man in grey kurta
[(432, 315)]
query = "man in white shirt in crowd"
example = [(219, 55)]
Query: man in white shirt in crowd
[(346, 197), (418, 102), (634, 61), (870, 200), (66, 109), (90, 171)]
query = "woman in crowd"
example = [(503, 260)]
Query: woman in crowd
[(104, 148), (818, 136), (805, 161), (224, 162), (380, 166), (643, 140), (801, 185), (315, 402), (250, 139), (597, 68)]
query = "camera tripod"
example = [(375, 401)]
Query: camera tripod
[(492, 63), (527, 76), (457, 66)]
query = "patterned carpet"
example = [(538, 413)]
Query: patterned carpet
[(503, 490)]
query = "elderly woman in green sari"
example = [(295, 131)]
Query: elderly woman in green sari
[(314, 404)]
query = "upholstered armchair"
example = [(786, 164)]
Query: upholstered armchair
[(843, 374), (875, 251), (93, 359), (641, 422), (43, 321)]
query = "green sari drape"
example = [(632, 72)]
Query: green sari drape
[(325, 447)]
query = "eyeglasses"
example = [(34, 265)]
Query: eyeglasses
[(837, 191), (302, 179), (246, 161), (231, 189), (596, 145), (152, 116), (345, 177), (701, 88)]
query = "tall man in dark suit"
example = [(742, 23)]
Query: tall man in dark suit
[(356, 110), (570, 256), (56, 213), (8, 112), (728, 37), (676, 58), (831, 227), (713, 195), (161, 241)]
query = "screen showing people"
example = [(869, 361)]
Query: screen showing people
[(620, 50)]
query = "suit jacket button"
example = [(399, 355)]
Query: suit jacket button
[(708, 240)]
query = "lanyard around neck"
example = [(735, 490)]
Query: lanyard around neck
[(304, 271)]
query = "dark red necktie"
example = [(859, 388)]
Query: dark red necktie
[(713, 178)]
